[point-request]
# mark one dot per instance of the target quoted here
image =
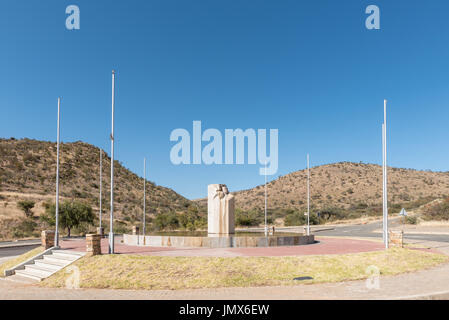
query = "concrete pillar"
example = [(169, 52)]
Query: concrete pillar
[(396, 238), (48, 239), (93, 244)]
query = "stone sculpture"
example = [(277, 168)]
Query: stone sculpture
[(220, 210)]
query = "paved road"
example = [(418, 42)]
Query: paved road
[(368, 231), (19, 243), (15, 251)]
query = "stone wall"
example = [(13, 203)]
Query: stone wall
[(48, 239), (93, 244), (396, 238)]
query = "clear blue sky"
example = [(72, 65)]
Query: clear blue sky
[(308, 68)]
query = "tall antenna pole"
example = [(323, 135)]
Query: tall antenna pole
[(144, 193), (308, 195), (385, 177), (111, 219), (57, 179), (266, 226), (101, 185)]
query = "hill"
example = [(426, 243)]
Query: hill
[(28, 168), (346, 185)]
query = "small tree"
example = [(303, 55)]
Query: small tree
[(247, 218), (193, 219), (166, 220), (72, 214), (26, 206)]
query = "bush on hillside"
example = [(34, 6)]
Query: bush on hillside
[(166, 221), (26, 206), (247, 218), (296, 218), (439, 211), (193, 219)]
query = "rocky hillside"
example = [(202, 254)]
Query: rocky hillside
[(346, 185), (28, 167)]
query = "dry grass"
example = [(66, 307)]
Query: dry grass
[(152, 272), (22, 258)]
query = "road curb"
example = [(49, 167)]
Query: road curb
[(428, 296), (18, 245)]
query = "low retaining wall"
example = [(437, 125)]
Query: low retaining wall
[(217, 242)]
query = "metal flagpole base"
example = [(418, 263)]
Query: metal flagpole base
[(111, 243)]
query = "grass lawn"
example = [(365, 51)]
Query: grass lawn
[(22, 258), (151, 272)]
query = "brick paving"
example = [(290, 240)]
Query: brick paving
[(323, 246)]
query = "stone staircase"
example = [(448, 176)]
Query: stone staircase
[(46, 265)]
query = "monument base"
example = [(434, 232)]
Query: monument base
[(231, 241), (220, 235)]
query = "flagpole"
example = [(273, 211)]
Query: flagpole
[(266, 227), (308, 195), (144, 194), (383, 183), (101, 185), (385, 174), (111, 218), (56, 241)]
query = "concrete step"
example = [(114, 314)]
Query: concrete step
[(29, 274), (37, 271), (64, 256), (43, 269), (55, 260), (70, 252), (47, 264)]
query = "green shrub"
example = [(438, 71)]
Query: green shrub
[(330, 214), (25, 228), (439, 211), (193, 219), (26, 206), (121, 228), (166, 220), (247, 218), (411, 220), (296, 218)]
